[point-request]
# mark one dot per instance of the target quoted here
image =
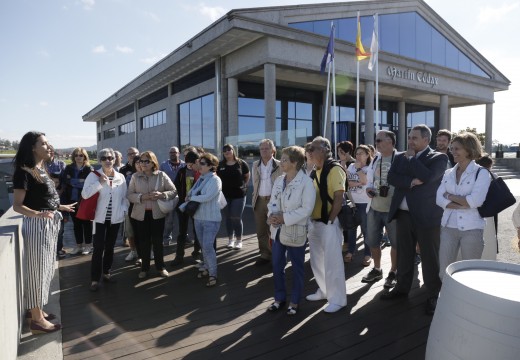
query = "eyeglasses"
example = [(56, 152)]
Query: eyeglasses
[(144, 162), (202, 163), (106, 158), (174, 152), (79, 155)]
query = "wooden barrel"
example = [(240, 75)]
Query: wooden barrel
[(478, 313)]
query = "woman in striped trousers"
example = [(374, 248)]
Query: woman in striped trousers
[(36, 198)]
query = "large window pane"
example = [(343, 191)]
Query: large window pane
[(196, 122), (250, 125), (407, 34), (438, 48), (464, 63), (254, 107), (184, 123), (452, 56), (423, 40), (208, 122), (303, 111), (347, 29), (389, 33), (305, 26)]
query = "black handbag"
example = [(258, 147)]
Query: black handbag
[(349, 217), (191, 208), (498, 197)]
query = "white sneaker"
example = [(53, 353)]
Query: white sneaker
[(86, 250), (163, 273), (332, 308), (317, 296), (77, 250), (152, 255), (131, 256), (231, 244), (238, 245), (138, 262)]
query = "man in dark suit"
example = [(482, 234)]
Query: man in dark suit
[(416, 175)]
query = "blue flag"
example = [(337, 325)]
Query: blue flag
[(329, 52)]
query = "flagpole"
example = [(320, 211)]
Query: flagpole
[(334, 108), (326, 104), (357, 105), (376, 22)]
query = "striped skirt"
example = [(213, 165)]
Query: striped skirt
[(40, 237)]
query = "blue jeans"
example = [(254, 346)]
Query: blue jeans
[(233, 213), (207, 231), (297, 258), (352, 234)]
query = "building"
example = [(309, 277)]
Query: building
[(255, 73)]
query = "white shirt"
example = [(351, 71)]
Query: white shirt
[(265, 187)]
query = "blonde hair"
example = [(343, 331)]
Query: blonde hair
[(79, 150)]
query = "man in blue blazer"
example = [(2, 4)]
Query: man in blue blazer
[(416, 174)]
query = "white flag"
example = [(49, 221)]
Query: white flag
[(374, 47)]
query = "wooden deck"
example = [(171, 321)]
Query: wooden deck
[(179, 318)]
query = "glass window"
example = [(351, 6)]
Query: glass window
[(452, 56), (407, 34), (347, 29), (152, 120), (305, 26), (110, 133), (389, 33), (248, 106), (127, 128), (322, 27), (248, 125), (438, 48), (303, 111), (423, 40), (197, 122), (464, 63)]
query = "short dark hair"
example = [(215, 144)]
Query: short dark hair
[(486, 161), (444, 132), (389, 134), (191, 157), (426, 132), (346, 146)]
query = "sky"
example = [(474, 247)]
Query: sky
[(61, 58)]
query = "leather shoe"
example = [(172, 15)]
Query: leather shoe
[(176, 262), (393, 295), (38, 329), (261, 261), (430, 305)]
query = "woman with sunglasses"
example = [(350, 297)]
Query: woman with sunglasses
[(134, 254), (234, 174), (110, 213), (207, 218), (145, 189), (74, 177)]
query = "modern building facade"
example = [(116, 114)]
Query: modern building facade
[(255, 73)]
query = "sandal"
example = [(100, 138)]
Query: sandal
[(276, 306), (212, 281), (348, 257), (292, 310), (202, 274)]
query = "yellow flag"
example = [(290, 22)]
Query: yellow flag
[(360, 51)]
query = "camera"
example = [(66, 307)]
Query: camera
[(371, 193), (383, 190)]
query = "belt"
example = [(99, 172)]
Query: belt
[(264, 197)]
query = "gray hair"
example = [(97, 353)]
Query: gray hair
[(324, 143), (425, 131), (268, 141), (106, 152)]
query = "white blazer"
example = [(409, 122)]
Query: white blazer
[(118, 192), (296, 202)]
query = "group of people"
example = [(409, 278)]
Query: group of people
[(421, 197)]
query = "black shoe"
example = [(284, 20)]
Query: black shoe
[(261, 261), (276, 306), (391, 280), (393, 295), (430, 305), (195, 255), (177, 261), (373, 276), (417, 260)]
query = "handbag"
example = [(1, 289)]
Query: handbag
[(293, 235), (191, 208), (349, 217), (87, 207), (166, 205), (498, 197)]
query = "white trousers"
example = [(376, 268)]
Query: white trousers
[(327, 261)]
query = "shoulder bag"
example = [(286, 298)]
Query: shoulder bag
[(293, 235), (87, 207), (498, 197), (349, 217), (166, 205)]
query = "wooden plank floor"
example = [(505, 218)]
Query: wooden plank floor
[(179, 318)]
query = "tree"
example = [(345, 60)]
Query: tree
[(480, 136)]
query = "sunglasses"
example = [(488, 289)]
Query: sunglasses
[(144, 162), (202, 163), (79, 155), (105, 158), (226, 150)]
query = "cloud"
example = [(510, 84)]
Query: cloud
[(212, 12), (88, 4), (496, 14), (100, 49), (153, 16), (44, 103), (124, 49)]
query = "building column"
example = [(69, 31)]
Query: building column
[(489, 129), (232, 106), (270, 98), (401, 136), (443, 113), (369, 112)]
